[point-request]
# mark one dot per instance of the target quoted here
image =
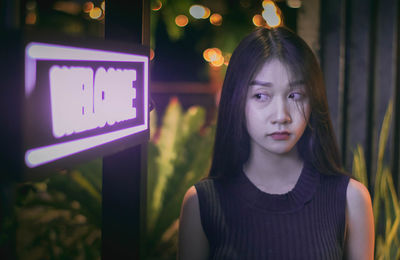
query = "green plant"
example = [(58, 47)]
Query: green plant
[(178, 156), (60, 217), (386, 206)]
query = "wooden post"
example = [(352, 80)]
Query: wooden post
[(332, 60), (124, 173)]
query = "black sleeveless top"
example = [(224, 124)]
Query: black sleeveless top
[(243, 222)]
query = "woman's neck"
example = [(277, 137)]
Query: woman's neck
[(273, 170)]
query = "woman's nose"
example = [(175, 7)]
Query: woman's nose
[(281, 114)]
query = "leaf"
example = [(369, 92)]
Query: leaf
[(382, 146), (153, 124), (359, 167), (190, 147), (167, 153), (85, 184)]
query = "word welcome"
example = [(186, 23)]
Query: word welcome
[(82, 99)]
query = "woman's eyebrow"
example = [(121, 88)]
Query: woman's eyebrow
[(260, 83), (292, 84), (296, 83)]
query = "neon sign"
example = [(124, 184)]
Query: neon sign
[(82, 100), (92, 98)]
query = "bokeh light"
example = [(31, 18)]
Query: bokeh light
[(95, 13), (269, 7), (265, 3), (87, 7), (272, 20), (218, 62), (30, 18), (103, 6), (216, 19), (198, 11), (212, 54), (206, 13), (294, 3), (156, 5), (271, 14), (152, 54), (181, 20), (207, 55), (214, 57), (258, 20)]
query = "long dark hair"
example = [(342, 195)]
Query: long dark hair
[(232, 142)]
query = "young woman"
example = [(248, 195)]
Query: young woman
[(276, 188)]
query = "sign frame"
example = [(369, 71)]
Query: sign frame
[(24, 116)]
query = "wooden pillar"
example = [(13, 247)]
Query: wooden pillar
[(359, 57), (359, 78), (308, 24), (332, 60), (124, 173)]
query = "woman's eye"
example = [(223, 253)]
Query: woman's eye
[(261, 97), (296, 95)]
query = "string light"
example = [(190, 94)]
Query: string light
[(156, 5), (258, 20), (87, 7), (30, 18), (218, 62), (212, 54), (214, 57), (95, 13), (271, 14), (206, 13), (216, 19), (294, 3), (199, 11), (181, 20)]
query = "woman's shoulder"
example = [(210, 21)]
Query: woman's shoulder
[(198, 191), (190, 194), (205, 181), (360, 222), (190, 201), (193, 242), (206, 188), (357, 194)]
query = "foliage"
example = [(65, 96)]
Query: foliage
[(386, 206), (179, 155), (60, 217)]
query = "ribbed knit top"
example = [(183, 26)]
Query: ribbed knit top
[(243, 222)]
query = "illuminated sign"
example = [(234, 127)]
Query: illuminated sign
[(82, 100), (78, 99)]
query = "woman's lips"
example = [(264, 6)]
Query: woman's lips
[(280, 135)]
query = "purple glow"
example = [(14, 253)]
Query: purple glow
[(42, 155), (68, 100), (83, 99), (106, 101)]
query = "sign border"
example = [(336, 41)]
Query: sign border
[(42, 157)]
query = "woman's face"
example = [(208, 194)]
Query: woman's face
[(275, 103)]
